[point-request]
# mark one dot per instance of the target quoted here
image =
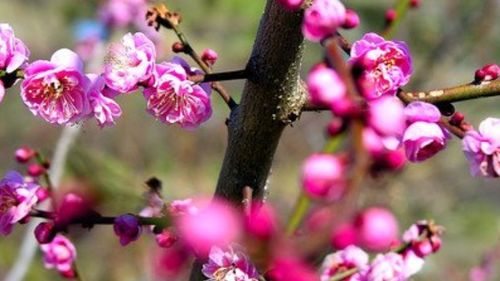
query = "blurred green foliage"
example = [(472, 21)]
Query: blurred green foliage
[(449, 39)]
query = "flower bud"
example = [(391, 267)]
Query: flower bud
[(166, 238), (24, 154), (209, 56), (390, 16), (127, 228), (323, 176), (178, 47), (261, 223), (351, 19), (36, 170), (488, 72), (45, 232), (42, 194), (415, 3), (457, 119), (335, 127), (377, 228), (291, 5), (343, 236)]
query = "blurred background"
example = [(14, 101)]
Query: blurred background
[(449, 40)]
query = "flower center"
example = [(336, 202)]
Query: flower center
[(6, 202)]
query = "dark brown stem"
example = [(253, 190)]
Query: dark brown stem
[(219, 76)]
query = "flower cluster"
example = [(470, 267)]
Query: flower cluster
[(482, 148), (231, 264)]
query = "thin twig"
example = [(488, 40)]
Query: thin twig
[(219, 76)]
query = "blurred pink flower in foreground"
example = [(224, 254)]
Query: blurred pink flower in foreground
[(386, 267), (377, 228), (387, 116), (59, 254), (325, 86), (129, 63), (291, 5), (387, 65), (215, 224), (17, 198), (322, 19), (347, 259), (232, 265), (423, 137), (56, 90), (120, 13), (290, 268), (175, 99), (482, 148), (323, 176)]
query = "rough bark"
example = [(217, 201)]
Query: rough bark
[(272, 98)]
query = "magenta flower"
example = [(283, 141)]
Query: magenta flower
[(377, 228), (232, 265), (387, 116), (289, 268), (175, 99), (387, 65), (322, 18), (325, 86), (127, 228), (13, 52), (291, 5), (482, 148), (347, 259), (388, 267), (104, 107), (56, 90), (424, 137), (323, 176), (17, 198), (59, 254), (215, 224), (129, 62)]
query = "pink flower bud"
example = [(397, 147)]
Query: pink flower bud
[(325, 86), (35, 170), (291, 5), (127, 228), (215, 224), (209, 56), (387, 116), (351, 19), (377, 228), (415, 3), (323, 176), (24, 154), (322, 18), (261, 223), (178, 47), (42, 194), (166, 238), (390, 16), (335, 127), (45, 232), (422, 248), (457, 119), (343, 236), (488, 72)]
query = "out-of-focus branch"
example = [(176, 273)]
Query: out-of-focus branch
[(29, 245)]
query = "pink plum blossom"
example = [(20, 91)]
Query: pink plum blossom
[(17, 198), (291, 5), (56, 90), (261, 223), (104, 107), (129, 63), (290, 268), (388, 267), (344, 235), (423, 137), (175, 99), (347, 259), (183, 207), (482, 148), (325, 86), (215, 224), (323, 176), (231, 264), (59, 254), (387, 65), (377, 228), (322, 19), (387, 116), (13, 53), (120, 13)]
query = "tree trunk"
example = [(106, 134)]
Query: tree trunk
[(272, 98)]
